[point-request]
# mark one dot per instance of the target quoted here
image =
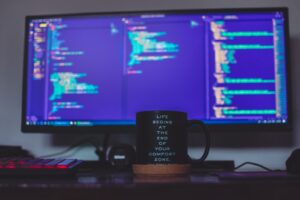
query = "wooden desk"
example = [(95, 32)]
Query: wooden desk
[(110, 186)]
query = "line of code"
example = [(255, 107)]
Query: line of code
[(244, 72)]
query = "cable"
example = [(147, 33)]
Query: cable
[(73, 152), (102, 154), (105, 142), (92, 141), (255, 164)]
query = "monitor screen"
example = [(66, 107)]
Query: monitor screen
[(94, 71)]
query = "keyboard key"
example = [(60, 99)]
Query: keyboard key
[(38, 167)]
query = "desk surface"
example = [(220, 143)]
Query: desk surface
[(119, 185)]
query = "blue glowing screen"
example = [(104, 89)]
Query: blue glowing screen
[(86, 70)]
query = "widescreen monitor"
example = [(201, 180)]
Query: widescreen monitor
[(93, 72)]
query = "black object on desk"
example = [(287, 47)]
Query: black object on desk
[(293, 162), (213, 166), (257, 175)]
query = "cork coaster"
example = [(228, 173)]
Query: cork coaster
[(159, 169)]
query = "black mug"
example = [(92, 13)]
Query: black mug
[(162, 137)]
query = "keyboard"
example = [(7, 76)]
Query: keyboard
[(38, 167)]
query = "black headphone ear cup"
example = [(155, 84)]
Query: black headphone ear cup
[(121, 156)]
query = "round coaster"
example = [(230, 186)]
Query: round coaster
[(161, 169)]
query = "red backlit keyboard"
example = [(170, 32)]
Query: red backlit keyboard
[(38, 167)]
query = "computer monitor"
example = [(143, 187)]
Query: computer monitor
[(93, 72)]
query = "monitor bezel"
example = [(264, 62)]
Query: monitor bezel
[(131, 128)]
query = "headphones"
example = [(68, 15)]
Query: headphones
[(121, 156)]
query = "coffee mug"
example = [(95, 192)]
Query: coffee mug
[(162, 137)]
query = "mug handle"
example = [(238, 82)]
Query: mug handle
[(207, 138)]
